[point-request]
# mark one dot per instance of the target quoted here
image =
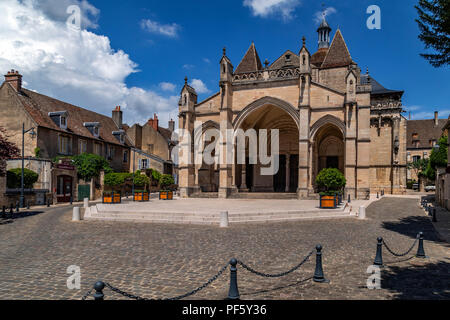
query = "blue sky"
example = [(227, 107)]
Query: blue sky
[(161, 42)]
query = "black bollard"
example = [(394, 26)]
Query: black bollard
[(378, 195), (48, 203), (420, 250), (349, 199), (28, 205), (4, 212), (318, 274), (233, 293), (379, 256), (98, 295), (434, 215), (71, 200), (17, 207)]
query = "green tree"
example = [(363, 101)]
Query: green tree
[(331, 180), (14, 178), (419, 167), (113, 179), (434, 25), (437, 158), (8, 150), (89, 165), (141, 180)]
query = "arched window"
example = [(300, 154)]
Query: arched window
[(185, 99), (304, 59)]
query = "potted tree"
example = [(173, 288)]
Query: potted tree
[(113, 182), (142, 181), (166, 192), (330, 181)]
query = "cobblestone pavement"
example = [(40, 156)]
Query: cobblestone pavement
[(159, 261)]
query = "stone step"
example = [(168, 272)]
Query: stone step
[(263, 195)]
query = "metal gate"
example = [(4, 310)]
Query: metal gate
[(84, 191)]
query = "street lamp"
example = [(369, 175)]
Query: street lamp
[(22, 191)]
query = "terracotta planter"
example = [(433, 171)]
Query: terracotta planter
[(112, 198), (328, 202), (165, 195), (141, 196)]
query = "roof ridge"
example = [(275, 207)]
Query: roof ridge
[(252, 59), (337, 37)]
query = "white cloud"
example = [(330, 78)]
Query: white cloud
[(443, 114), (167, 86), (169, 30), (56, 10), (265, 8), (188, 66), (199, 86), (79, 67), (206, 60), (318, 16)]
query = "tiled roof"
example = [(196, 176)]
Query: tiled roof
[(166, 133), (281, 61), (338, 54), (250, 62), (318, 57), (39, 106), (377, 88), (426, 130)]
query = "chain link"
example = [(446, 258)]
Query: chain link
[(266, 275), (134, 297), (201, 287), (87, 295), (404, 254)]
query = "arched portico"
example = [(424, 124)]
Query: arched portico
[(327, 146), (268, 114)]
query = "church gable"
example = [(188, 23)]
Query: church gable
[(287, 59), (338, 54), (322, 96), (250, 62), (210, 105)]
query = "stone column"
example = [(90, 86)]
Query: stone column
[(288, 171), (350, 150), (244, 187)]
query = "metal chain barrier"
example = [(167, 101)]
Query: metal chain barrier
[(404, 254), (123, 293), (135, 297), (201, 287), (266, 275), (87, 295)]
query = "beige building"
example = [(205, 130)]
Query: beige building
[(328, 113), (422, 137), (443, 177), (152, 146)]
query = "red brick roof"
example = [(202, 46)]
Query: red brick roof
[(250, 62), (318, 57), (39, 106), (338, 54)]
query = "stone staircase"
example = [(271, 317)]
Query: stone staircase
[(110, 213)]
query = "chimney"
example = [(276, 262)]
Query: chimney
[(14, 78), (436, 118), (117, 117), (171, 125), (154, 122)]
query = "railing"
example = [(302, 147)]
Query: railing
[(267, 75), (233, 293)]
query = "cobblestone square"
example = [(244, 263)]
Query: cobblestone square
[(162, 261)]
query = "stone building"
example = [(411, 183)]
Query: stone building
[(153, 146), (422, 137), (443, 176), (62, 130), (329, 114)]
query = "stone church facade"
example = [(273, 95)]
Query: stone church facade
[(328, 113)]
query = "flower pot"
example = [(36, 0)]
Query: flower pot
[(141, 196), (328, 202), (165, 195), (112, 198)]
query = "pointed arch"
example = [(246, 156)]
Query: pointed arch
[(328, 119)]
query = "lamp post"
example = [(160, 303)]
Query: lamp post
[(134, 169), (22, 191)]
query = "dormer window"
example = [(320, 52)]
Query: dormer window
[(59, 118), (93, 127), (120, 136)]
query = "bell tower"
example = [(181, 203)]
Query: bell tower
[(324, 34)]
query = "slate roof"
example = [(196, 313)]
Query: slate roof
[(377, 88), (426, 131), (338, 54), (250, 62), (38, 106)]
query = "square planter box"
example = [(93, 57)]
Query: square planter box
[(141, 196), (112, 198), (166, 195), (328, 202)]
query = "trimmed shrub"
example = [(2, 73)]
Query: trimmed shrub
[(14, 178), (89, 165), (166, 181), (117, 179), (331, 180)]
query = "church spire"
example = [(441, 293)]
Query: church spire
[(324, 33)]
